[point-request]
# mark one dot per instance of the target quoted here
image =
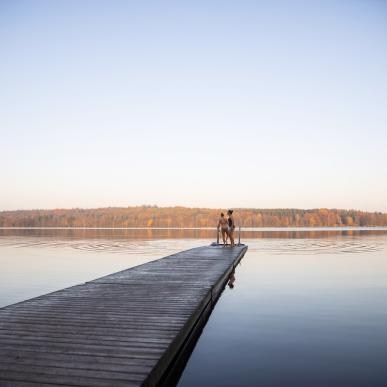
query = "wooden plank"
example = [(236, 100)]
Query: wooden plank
[(44, 359), (128, 328), (41, 378)]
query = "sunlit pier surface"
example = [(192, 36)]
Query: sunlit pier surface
[(131, 328)]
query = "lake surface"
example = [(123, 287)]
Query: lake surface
[(308, 308)]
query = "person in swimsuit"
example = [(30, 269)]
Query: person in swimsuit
[(223, 226), (231, 227)]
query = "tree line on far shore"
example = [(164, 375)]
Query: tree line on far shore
[(153, 216)]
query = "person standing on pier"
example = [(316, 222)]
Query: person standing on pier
[(223, 226), (231, 227)]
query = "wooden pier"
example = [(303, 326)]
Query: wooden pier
[(130, 328)]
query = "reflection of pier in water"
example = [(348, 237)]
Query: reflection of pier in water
[(130, 328)]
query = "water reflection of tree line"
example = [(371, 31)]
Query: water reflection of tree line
[(154, 233)]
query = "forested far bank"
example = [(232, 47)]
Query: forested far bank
[(152, 216)]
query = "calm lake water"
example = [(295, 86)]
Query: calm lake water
[(309, 308)]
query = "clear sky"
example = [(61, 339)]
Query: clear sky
[(201, 103)]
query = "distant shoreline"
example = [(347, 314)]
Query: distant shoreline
[(333, 228), (152, 217)]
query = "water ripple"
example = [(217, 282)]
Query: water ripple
[(318, 246), (116, 246)]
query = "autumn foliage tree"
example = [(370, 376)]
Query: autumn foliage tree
[(153, 216)]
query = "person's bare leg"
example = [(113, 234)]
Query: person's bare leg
[(232, 239)]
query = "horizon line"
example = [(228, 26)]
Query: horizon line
[(192, 208)]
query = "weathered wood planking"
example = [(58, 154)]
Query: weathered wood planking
[(125, 329)]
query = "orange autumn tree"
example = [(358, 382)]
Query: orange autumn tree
[(153, 216)]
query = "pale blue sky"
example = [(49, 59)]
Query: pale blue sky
[(202, 103)]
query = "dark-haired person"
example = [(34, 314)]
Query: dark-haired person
[(231, 227), (223, 226)]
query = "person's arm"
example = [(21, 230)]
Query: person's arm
[(218, 226)]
